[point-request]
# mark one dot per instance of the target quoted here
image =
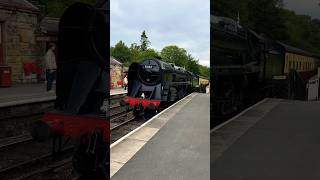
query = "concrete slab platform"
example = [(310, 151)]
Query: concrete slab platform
[(24, 94), (176, 145), (21, 94), (27, 99), (279, 139)]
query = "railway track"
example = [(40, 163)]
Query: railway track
[(15, 140), (23, 159)]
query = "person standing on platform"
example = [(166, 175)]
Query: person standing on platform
[(51, 66), (125, 82)]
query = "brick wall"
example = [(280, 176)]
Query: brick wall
[(19, 38)]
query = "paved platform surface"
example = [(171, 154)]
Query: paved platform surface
[(278, 139), (29, 93), (24, 93), (174, 146)]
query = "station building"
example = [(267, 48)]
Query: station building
[(24, 36), (116, 73)]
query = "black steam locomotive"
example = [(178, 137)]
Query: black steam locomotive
[(82, 87), (248, 67), (154, 83)]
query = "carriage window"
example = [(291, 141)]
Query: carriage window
[(289, 65), (300, 66)]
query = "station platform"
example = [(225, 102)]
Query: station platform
[(33, 93), (275, 139), (175, 144), (26, 99), (23, 94)]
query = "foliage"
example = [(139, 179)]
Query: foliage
[(269, 17), (121, 52), (171, 54), (145, 43), (175, 55), (55, 8), (204, 71)]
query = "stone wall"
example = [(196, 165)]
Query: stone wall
[(20, 44)]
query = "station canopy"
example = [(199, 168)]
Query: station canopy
[(114, 61)]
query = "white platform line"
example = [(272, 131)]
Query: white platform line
[(238, 115), (144, 124), (117, 93)]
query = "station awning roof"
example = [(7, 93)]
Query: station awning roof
[(114, 61)]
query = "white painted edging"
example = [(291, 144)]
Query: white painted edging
[(144, 124), (118, 93), (238, 115)]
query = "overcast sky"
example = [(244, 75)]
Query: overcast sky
[(308, 7), (185, 23)]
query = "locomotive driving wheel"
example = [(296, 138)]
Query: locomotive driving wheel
[(91, 158)]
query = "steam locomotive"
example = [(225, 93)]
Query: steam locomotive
[(82, 88), (153, 84), (248, 67)]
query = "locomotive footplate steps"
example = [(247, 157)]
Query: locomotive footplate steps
[(172, 145), (277, 139)]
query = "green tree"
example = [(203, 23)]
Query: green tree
[(137, 55), (174, 54), (55, 8), (192, 64), (268, 17), (144, 42), (121, 52), (265, 17), (204, 71), (135, 52), (149, 53)]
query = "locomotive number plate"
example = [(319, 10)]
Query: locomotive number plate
[(148, 66)]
